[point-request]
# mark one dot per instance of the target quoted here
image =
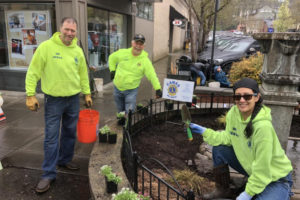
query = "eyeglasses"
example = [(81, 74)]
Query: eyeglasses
[(247, 97)]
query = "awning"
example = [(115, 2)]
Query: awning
[(174, 14)]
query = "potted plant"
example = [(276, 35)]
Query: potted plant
[(142, 109), (103, 132), (112, 137), (111, 179), (121, 118), (169, 104), (126, 194), (194, 101)]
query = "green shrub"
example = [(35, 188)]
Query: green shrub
[(249, 67)]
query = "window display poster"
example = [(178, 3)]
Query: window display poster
[(29, 37), (15, 21), (25, 31), (39, 22)]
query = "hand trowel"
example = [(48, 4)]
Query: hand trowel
[(186, 118)]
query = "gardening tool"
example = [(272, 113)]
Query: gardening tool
[(186, 118)]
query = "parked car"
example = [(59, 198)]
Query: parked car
[(229, 49)]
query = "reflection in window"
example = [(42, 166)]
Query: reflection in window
[(118, 31), (145, 10), (107, 32), (98, 41)]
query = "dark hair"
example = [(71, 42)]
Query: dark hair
[(249, 129), (69, 19)]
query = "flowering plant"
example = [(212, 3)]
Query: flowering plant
[(105, 129), (127, 194), (107, 172)]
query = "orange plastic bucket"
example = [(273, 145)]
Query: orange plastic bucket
[(87, 126)]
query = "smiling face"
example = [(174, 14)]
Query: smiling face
[(68, 32), (137, 47), (246, 107)]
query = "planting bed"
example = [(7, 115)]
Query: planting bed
[(168, 143)]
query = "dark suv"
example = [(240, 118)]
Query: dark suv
[(229, 49)]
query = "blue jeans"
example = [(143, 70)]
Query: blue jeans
[(277, 190), (200, 74), (61, 116), (125, 100)]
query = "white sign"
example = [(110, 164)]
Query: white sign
[(177, 22), (178, 90)]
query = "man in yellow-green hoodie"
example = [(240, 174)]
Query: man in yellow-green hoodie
[(60, 65), (128, 67)]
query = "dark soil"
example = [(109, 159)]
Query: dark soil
[(168, 142)]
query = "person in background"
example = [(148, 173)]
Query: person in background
[(60, 64), (127, 68), (197, 69), (249, 144), (221, 77)]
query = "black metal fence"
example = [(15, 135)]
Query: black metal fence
[(140, 177)]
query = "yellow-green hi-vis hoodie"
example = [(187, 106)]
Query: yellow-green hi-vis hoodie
[(261, 155), (131, 69), (62, 69)]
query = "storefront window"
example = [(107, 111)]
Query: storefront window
[(118, 31), (107, 32), (22, 28), (145, 10)]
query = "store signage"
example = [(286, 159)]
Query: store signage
[(177, 22)]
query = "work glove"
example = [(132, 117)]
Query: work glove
[(195, 128), (32, 103), (244, 196), (112, 75), (88, 100), (158, 94)]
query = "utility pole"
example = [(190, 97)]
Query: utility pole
[(213, 41)]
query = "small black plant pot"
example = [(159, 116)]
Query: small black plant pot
[(194, 101), (144, 111), (121, 121), (139, 108), (111, 187), (169, 105), (188, 104), (102, 138), (112, 138)]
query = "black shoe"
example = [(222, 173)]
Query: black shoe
[(43, 185), (71, 166)]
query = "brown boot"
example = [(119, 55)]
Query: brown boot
[(222, 178)]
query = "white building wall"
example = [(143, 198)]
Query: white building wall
[(145, 27), (162, 28)]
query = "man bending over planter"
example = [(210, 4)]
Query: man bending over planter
[(127, 68)]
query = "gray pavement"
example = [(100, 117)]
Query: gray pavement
[(21, 145)]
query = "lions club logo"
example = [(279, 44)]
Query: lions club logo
[(172, 89)]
